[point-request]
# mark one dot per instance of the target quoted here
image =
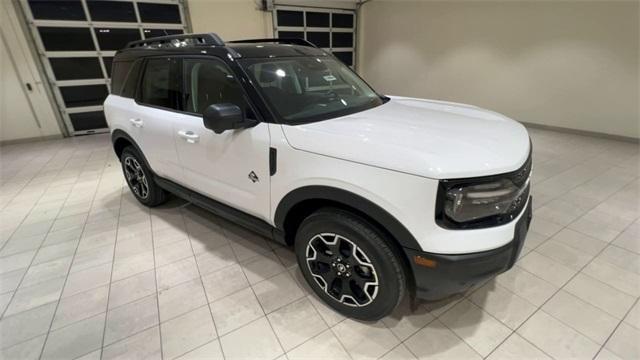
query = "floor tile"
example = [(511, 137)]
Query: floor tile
[(33, 296), (129, 319), (87, 279), (81, 306), (365, 340), (262, 267), (296, 323), (55, 251), (187, 332), (526, 285), (181, 299), (277, 291), (624, 342), (436, 341), (633, 317), (176, 273), (132, 288), (91, 258), (400, 352), (477, 328), (516, 348), (28, 350), (132, 265), (322, 346), (621, 279), (9, 281), (16, 261), (144, 345), (264, 344), (213, 260), (224, 282), (509, 308), (582, 316), (564, 254), (546, 268), (74, 340), (235, 310), (46, 271), (601, 295), (407, 318), (25, 325), (557, 339), (173, 252), (209, 351)]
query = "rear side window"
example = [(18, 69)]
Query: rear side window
[(131, 83), (119, 74), (159, 85)]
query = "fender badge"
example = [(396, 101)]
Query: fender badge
[(253, 177)]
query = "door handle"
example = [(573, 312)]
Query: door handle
[(190, 136), (136, 122)]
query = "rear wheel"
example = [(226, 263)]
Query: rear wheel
[(349, 264), (139, 178)]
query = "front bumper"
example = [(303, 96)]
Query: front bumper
[(437, 276)]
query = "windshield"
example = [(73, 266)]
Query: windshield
[(305, 89)]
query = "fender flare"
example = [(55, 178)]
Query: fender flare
[(378, 214), (118, 134)]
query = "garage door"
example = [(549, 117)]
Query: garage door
[(77, 40), (330, 29)]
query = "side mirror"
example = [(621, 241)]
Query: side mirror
[(221, 117)]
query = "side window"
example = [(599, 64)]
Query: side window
[(159, 84), (120, 70), (211, 82), (130, 85)]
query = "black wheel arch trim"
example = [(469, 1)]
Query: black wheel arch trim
[(347, 198), (118, 134)]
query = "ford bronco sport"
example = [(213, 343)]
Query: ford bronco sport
[(379, 195)]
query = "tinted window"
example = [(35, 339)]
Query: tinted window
[(116, 39), (149, 33), (57, 9), (120, 72), (84, 95), (290, 18), (342, 20), (101, 10), (341, 39), (159, 86), (159, 13), (291, 34), (66, 39), (210, 82), (320, 39), (317, 19), (76, 68), (88, 120), (131, 82), (108, 61)]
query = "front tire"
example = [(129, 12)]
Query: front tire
[(139, 178), (349, 264)]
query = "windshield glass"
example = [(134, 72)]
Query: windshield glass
[(305, 89)]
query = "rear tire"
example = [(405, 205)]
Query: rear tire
[(140, 178), (349, 264)]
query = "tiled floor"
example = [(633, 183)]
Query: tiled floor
[(87, 272)]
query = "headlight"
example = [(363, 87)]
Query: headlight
[(483, 202)]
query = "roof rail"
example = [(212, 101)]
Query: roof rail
[(294, 41), (168, 41)]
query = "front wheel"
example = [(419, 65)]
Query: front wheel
[(349, 264)]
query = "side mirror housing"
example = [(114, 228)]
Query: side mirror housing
[(222, 117)]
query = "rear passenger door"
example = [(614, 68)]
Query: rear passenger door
[(158, 105), (232, 167)]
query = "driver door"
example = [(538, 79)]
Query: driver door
[(232, 167)]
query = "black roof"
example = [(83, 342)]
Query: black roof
[(211, 43)]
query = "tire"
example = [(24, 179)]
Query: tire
[(139, 178), (365, 284)]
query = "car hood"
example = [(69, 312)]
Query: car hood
[(435, 139)]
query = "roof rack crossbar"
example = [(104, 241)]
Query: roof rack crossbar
[(199, 39), (294, 41)]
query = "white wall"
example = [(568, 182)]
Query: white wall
[(231, 19), (571, 64), (23, 114)]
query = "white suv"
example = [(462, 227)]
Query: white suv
[(378, 195)]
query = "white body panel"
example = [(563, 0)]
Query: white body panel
[(392, 155), (433, 139), (218, 165)]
